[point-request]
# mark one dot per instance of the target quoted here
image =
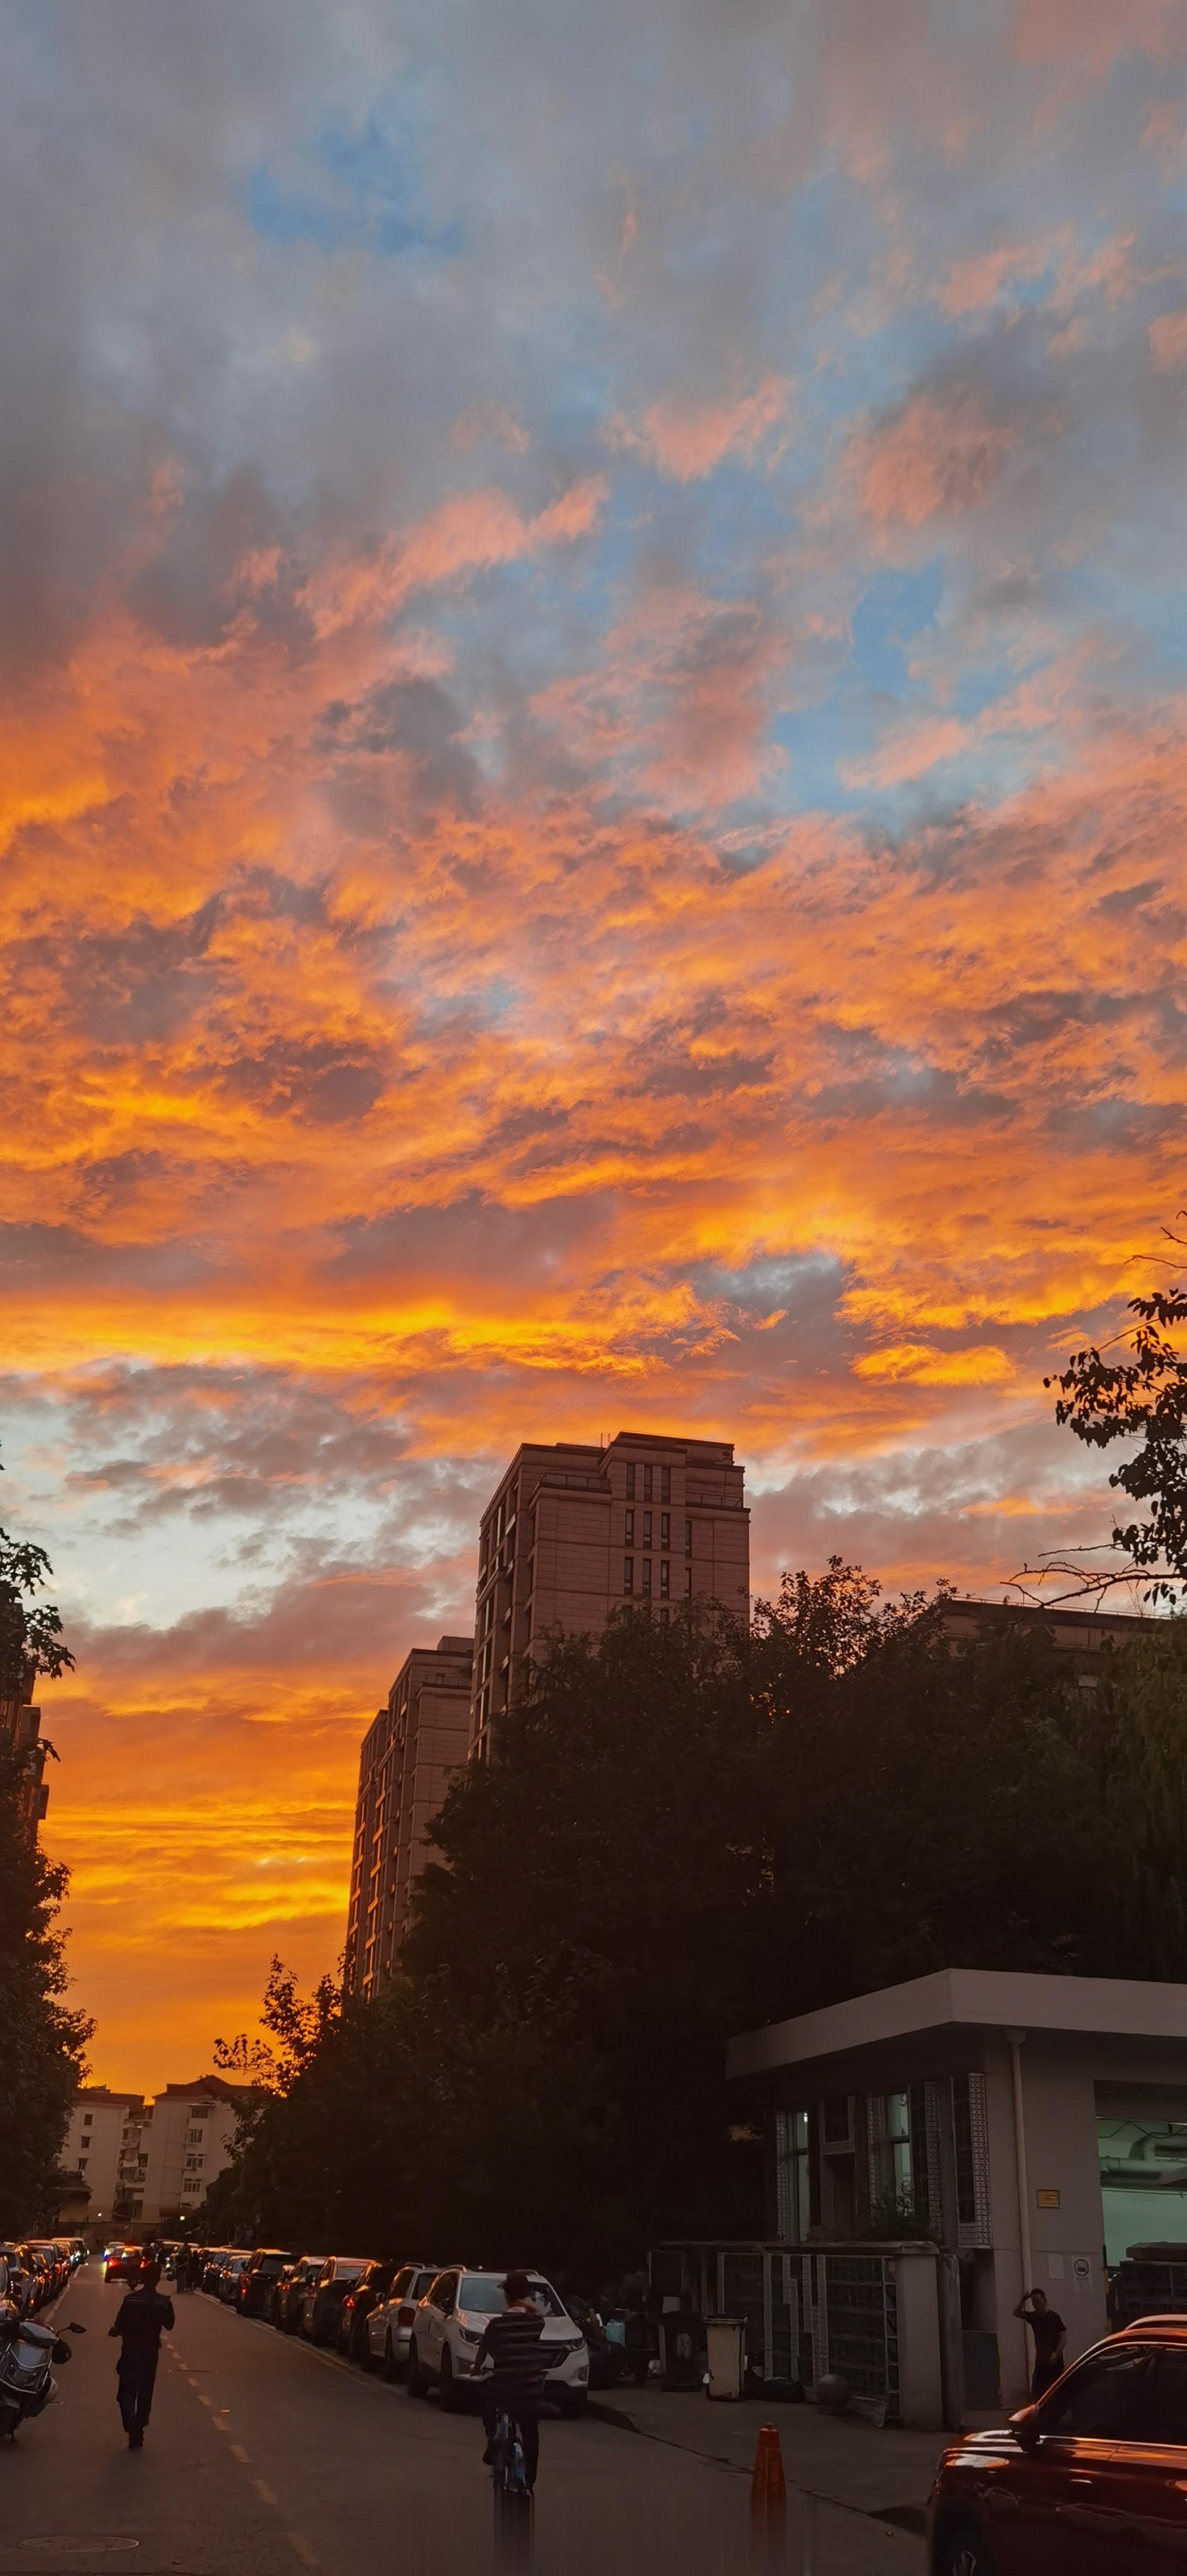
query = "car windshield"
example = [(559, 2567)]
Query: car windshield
[(482, 2295), (348, 2271)]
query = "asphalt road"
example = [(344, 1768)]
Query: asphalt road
[(264, 2457)]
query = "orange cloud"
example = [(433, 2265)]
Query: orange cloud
[(470, 532), (940, 456), (1168, 341), (687, 439)]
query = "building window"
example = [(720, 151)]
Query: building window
[(630, 1484), (628, 1574), (793, 2215), (665, 1577), (688, 1538), (646, 1529), (665, 1484), (664, 1617), (665, 1529), (630, 1529), (647, 1479), (198, 2110), (647, 1574), (688, 1583), (88, 2119)]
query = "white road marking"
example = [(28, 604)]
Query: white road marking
[(302, 2550), (264, 2491), (238, 2452)]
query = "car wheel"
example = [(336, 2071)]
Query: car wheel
[(418, 2385), (391, 2367), (963, 2550), (447, 2389)]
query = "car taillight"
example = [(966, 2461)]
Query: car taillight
[(404, 2316)]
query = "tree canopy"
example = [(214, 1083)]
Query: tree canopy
[(684, 1832), (42, 2041), (1143, 1398)]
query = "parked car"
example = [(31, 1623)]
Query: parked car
[(288, 2298), (22, 2284), (254, 2286), (389, 2326), (229, 2276), (216, 2256), (1091, 2476), (451, 2320), (364, 2294), (324, 2296), (42, 2279), (54, 2264)]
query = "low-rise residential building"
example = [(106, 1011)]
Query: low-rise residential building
[(189, 2139), (407, 1756), (101, 2150), (145, 2163)]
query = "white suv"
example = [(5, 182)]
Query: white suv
[(451, 2320)]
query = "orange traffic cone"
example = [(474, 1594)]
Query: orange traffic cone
[(768, 2485)]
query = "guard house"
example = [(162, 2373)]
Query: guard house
[(1032, 2127)]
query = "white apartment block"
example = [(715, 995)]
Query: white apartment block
[(151, 2163)]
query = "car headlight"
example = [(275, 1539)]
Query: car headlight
[(468, 2334)]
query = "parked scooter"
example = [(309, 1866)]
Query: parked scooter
[(27, 2384)]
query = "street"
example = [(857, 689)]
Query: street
[(264, 2456)]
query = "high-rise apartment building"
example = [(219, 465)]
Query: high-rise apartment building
[(572, 1532), (407, 1756), (20, 1727)]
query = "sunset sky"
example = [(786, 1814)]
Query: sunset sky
[(593, 804)]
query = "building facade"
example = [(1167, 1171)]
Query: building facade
[(188, 2140), (404, 1767), (20, 1728), (140, 2163), (1030, 2127), (102, 2150), (573, 1532)]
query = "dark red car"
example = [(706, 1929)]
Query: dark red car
[(1090, 2481)]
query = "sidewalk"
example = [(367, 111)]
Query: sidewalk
[(842, 2460)]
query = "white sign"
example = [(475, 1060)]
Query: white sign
[(1081, 2271)]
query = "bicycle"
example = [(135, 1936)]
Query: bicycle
[(508, 2475)]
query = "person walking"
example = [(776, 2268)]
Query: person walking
[(1050, 2336), (144, 2314), (516, 2384)]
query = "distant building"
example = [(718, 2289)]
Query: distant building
[(404, 1766), (101, 2153), (142, 2163), (20, 1727), (573, 1532), (1074, 1632), (189, 2139)]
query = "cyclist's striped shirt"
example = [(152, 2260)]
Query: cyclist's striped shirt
[(512, 2340)]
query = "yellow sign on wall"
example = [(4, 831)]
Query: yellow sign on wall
[(1047, 2199)]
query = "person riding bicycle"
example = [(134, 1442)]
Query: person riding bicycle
[(516, 2385)]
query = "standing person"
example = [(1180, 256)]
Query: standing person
[(141, 2322), (1050, 2336), (516, 2384)]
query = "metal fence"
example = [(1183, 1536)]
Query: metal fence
[(808, 2310)]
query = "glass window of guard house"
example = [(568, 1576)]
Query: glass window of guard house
[(793, 2206)]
